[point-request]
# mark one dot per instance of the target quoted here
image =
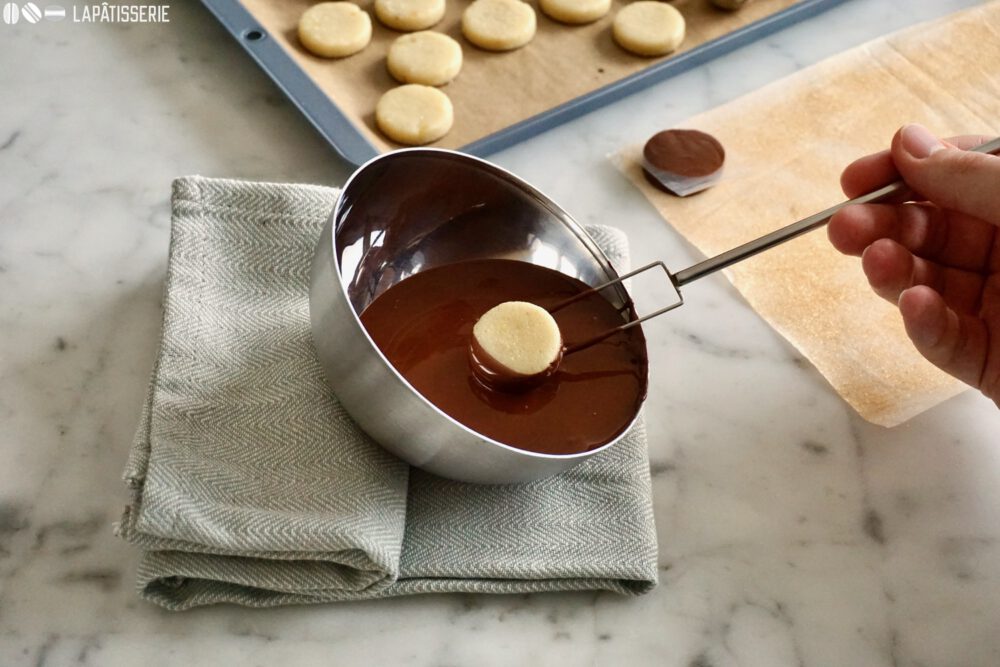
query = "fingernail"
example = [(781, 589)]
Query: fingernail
[(919, 142)]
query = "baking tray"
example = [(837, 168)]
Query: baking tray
[(350, 140)]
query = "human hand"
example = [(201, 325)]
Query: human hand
[(937, 258)]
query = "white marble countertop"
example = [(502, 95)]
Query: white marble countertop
[(791, 532)]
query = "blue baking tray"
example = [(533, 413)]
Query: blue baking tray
[(344, 137)]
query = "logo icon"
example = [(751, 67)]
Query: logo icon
[(11, 13), (30, 12), (55, 13)]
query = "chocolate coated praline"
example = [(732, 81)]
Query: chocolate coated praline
[(683, 162)]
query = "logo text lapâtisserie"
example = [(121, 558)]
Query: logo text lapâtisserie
[(30, 12)]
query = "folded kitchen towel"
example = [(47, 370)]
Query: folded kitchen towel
[(251, 485)]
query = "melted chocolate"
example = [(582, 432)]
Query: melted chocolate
[(496, 376), (423, 325)]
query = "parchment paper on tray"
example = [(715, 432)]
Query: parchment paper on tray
[(494, 90), (786, 146)]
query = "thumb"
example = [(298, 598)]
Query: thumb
[(947, 176)]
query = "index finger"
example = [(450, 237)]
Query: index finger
[(873, 171)]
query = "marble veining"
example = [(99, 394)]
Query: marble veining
[(791, 532)]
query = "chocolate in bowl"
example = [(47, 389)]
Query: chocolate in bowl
[(423, 326), (407, 212)]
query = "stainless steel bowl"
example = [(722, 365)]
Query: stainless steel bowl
[(405, 212)]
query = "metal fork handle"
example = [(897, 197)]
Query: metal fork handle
[(576, 347), (795, 229), (898, 189)]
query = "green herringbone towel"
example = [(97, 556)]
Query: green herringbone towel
[(251, 485)]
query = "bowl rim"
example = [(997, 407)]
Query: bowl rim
[(561, 214)]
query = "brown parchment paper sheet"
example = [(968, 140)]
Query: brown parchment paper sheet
[(786, 146), (493, 90)]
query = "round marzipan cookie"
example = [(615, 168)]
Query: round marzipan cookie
[(426, 57), (409, 14), (335, 29), (414, 114), (649, 28), (499, 25), (575, 11)]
